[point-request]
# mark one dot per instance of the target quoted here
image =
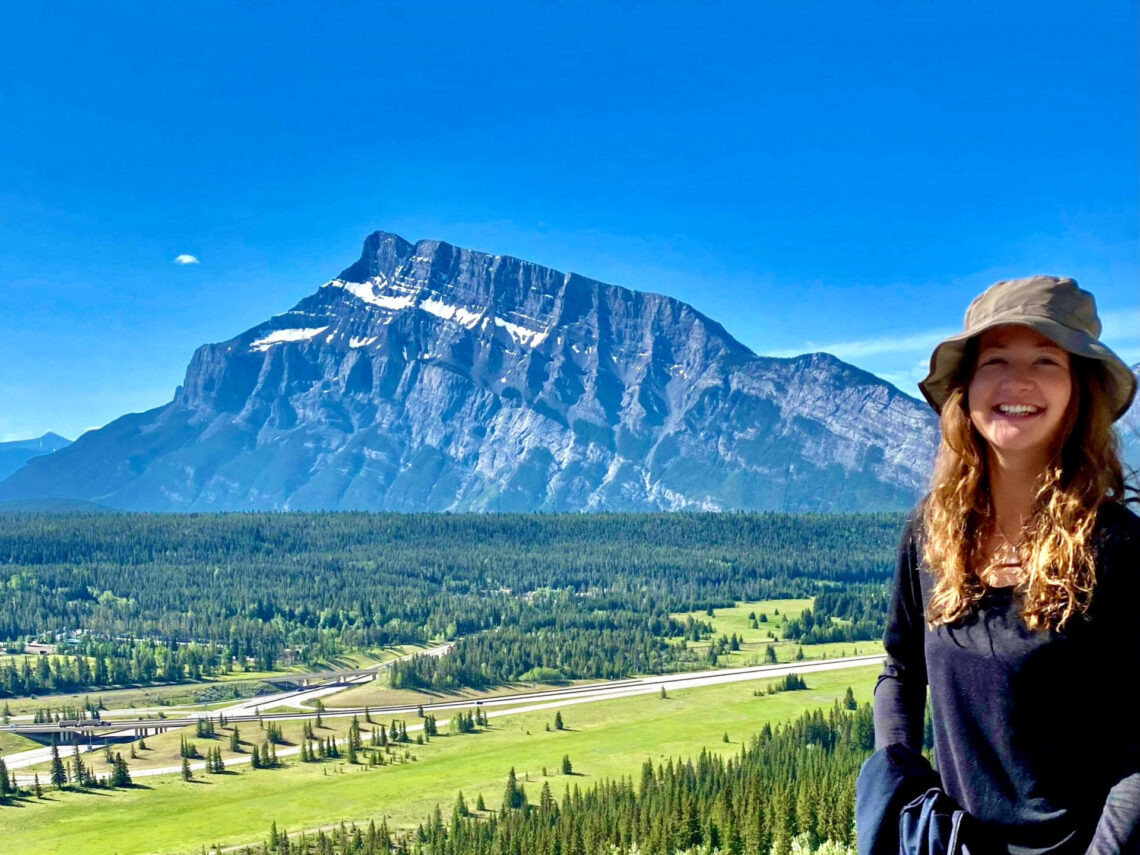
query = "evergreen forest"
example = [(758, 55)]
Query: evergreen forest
[(792, 786), (151, 598)]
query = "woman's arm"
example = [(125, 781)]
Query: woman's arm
[(900, 693), (1118, 832)]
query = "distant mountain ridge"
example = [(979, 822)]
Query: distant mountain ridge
[(431, 377), (15, 454), (1129, 430)]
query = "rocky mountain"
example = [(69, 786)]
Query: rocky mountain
[(1129, 430), (15, 454), (429, 377)]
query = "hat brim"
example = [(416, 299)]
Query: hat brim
[(1120, 382)]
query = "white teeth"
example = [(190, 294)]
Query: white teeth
[(1017, 409)]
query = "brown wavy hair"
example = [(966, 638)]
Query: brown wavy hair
[(1058, 553)]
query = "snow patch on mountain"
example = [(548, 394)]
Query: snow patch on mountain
[(282, 336)]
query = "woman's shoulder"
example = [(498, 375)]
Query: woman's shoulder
[(913, 528), (1118, 543), (1119, 524)]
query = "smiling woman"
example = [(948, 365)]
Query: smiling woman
[(1017, 580), (1019, 395)]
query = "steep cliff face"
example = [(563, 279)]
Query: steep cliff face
[(429, 377)]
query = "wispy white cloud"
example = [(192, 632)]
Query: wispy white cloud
[(186, 259), (921, 341)]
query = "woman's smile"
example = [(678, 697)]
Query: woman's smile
[(1019, 391)]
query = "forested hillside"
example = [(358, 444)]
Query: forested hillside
[(795, 782), (168, 597)]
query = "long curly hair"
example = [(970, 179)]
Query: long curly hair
[(1058, 553)]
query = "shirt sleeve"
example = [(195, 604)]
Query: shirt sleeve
[(1118, 830), (900, 692)]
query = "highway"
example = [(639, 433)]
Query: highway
[(522, 702)]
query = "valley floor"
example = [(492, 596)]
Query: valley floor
[(603, 739)]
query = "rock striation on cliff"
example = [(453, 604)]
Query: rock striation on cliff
[(430, 377)]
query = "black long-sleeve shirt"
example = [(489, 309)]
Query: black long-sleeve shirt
[(1034, 731)]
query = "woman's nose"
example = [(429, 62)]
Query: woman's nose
[(1017, 376)]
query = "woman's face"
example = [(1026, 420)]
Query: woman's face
[(1019, 392)]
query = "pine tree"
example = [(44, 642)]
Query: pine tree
[(255, 757), (546, 803), (79, 770), (567, 768), (58, 775), (480, 805), (558, 725), (4, 785), (514, 796), (186, 774), (235, 740), (663, 694), (120, 775), (38, 788), (849, 700)]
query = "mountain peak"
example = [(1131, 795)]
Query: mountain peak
[(382, 251), (431, 377)]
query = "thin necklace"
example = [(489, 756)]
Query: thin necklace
[(1009, 553)]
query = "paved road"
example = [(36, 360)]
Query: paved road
[(519, 703), (242, 709), (290, 697)]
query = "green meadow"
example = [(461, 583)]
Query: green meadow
[(603, 739), (736, 620)]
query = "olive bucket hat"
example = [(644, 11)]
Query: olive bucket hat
[(1058, 309)]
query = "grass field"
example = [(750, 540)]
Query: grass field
[(604, 739), (754, 641), (164, 750), (10, 743), (379, 694)]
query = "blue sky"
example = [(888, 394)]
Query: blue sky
[(842, 176)]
